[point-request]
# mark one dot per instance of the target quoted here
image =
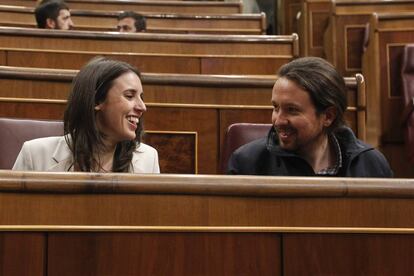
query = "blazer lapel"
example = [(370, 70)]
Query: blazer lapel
[(61, 158)]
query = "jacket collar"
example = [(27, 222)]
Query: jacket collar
[(62, 157), (349, 144)]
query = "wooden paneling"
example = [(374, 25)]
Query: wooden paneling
[(3, 58), (348, 254), (180, 64), (345, 33), (243, 65), (23, 253), (150, 62), (164, 254), (158, 88), (164, 88), (123, 224), (202, 121), (388, 33), (148, 43), (86, 199), (177, 150), (396, 154), (313, 20), (391, 101), (286, 15), (349, 33)]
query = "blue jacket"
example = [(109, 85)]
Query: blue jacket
[(265, 157)]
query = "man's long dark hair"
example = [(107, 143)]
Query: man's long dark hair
[(89, 88), (324, 84)]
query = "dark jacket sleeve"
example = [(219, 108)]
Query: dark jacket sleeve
[(233, 166), (248, 159), (370, 164)]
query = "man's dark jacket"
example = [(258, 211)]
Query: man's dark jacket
[(265, 157)]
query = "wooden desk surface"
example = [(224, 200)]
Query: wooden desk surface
[(119, 224)]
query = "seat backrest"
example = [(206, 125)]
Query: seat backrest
[(14, 132), (407, 75), (238, 135)]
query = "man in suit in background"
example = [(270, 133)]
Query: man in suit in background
[(131, 22), (53, 14)]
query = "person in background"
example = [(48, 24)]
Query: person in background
[(53, 14), (102, 126), (309, 136), (131, 22)]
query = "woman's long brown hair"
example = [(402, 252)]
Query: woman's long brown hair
[(89, 88)]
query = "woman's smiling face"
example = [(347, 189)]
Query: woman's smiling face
[(118, 115)]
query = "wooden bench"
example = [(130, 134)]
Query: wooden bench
[(382, 62), (286, 11), (229, 45), (346, 30), (149, 62), (142, 6), (311, 25), (159, 23), (204, 105), (95, 224)]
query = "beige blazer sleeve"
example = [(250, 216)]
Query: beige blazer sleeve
[(44, 154)]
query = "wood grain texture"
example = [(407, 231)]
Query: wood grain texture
[(232, 45), (348, 254), (204, 225), (149, 63), (389, 33), (23, 253), (31, 198), (164, 254), (346, 30), (177, 151)]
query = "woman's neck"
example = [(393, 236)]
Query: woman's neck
[(105, 158)]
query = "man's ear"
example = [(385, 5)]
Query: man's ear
[(50, 23), (330, 116)]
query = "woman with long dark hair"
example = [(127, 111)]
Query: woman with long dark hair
[(102, 126)]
